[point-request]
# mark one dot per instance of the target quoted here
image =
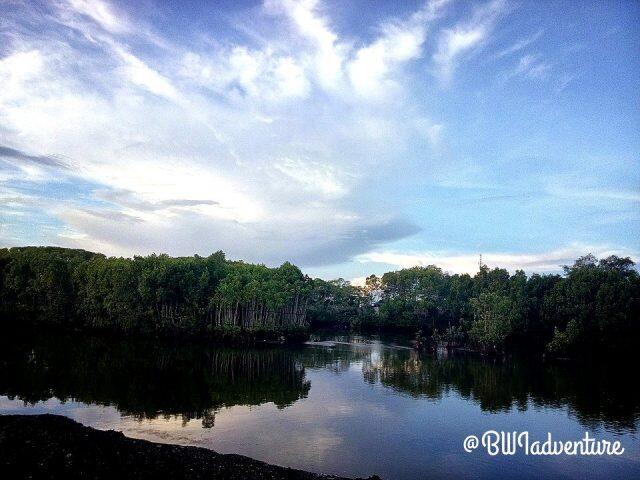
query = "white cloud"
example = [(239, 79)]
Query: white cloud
[(270, 241), (464, 37), (263, 149), (398, 43), (102, 13), (173, 179), (263, 74), (16, 70), (312, 25), (260, 74), (543, 262), (370, 70), (188, 190), (313, 176), (142, 75), (532, 66)]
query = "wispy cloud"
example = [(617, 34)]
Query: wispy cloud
[(458, 41), (161, 154), (328, 53), (399, 42), (102, 14), (312, 176), (139, 73), (260, 74), (531, 66), (520, 44), (327, 61), (597, 194), (18, 68), (564, 81), (21, 157), (129, 200)]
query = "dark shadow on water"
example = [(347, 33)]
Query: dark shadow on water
[(599, 395), (147, 379)]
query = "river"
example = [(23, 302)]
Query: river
[(349, 405)]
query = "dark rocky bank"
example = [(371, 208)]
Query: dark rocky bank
[(52, 446)]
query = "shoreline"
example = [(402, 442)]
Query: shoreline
[(230, 338), (54, 446)]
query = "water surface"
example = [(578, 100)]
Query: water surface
[(350, 405)]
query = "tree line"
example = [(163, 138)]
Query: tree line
[(156, 293), (593, 306)]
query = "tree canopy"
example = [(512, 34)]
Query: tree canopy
[(594, 304), (153, 293)]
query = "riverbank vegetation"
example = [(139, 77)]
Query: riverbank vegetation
[(156, 293), (594, 306)]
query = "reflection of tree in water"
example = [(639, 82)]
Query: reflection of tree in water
[(596, 396), (337, 359), (147, 379)]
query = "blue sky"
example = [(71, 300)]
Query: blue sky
[(348, 137)]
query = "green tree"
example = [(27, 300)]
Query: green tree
[(495, 316)]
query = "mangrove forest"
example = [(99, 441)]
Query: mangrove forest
[(594, 306)]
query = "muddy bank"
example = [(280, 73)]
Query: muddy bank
[(52, 446)]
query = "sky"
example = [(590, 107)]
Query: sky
[(350, 138)]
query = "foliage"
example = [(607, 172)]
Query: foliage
[(335, 302), (495, 317), (597, 304), (151, 294), (594, 305), (453, 335)]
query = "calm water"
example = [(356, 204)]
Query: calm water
[(356, 406)]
